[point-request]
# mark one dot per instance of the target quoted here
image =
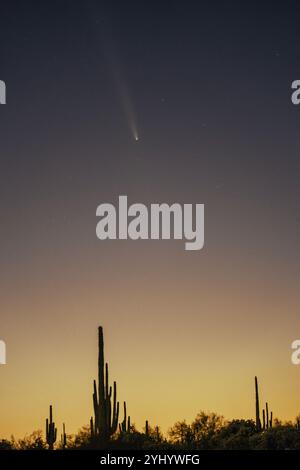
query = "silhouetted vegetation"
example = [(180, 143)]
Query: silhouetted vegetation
[(208, 431)]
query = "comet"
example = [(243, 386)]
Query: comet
[(110, 54), (126, 102), (120, 83)]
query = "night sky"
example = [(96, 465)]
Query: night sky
[(207, 88)]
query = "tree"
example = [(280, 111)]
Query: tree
[(181, 433)]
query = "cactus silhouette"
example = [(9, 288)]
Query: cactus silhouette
[(267, 422), (125, 426), (106, 413), (257, 416), (92, 428), (63, 437), (147, 428), (51, 431), (267, 415)]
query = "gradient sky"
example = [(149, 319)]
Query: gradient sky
[(208, 86)]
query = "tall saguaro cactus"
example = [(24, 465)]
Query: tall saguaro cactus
[(51, 431), (106, 407), (257, 417), (267, 418)]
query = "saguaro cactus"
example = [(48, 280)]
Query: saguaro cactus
[(106, 413), (92, 428), (267, 418), (125, 426), (267, 415), (51, 431), (257, 417), (267, 423), (63, 437), (147, 428)]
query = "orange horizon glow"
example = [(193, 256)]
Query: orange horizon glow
[(179, 357)]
